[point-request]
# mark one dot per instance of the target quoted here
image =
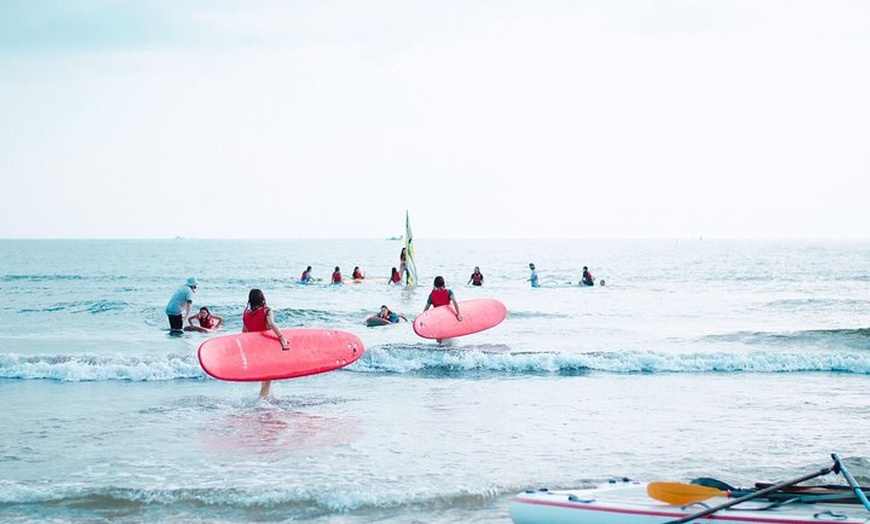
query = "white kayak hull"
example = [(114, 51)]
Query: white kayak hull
[(628, 503)]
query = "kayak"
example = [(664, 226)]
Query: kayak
[(629, 502)]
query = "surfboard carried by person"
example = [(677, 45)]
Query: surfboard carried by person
[(263, 353), (477, 315)]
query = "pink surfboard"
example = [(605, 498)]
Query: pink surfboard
[(258, 356), (477, 315)]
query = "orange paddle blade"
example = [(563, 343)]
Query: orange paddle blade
[(680, 494)]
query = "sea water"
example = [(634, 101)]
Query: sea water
[(740, 360)]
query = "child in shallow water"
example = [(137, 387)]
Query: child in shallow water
[(207, 320)]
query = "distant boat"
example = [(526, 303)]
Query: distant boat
[(395, 238)]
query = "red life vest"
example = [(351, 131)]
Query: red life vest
[(397, 277), (440, 297), (336, 277), (255, 320), (477, 279), (207, 323)]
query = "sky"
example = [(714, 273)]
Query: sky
[(481, 118)]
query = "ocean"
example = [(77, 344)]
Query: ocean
[(740, 360)]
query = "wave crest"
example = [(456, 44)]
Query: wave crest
[(411, 359), (84, 368)]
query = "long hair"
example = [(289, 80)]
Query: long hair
[(256, 299)]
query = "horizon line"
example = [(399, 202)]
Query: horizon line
[(417, 237)]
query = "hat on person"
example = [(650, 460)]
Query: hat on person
[(191, 282)]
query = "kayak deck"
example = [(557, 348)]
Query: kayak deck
[(627, 502)]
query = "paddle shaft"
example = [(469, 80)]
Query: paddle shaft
[(788, 496), (756, 494), (851, 480)]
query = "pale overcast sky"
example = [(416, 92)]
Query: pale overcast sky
[(491, 118)]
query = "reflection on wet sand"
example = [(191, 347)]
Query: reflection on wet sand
[(278, 426)]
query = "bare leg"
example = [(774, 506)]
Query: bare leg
[(264, 388)]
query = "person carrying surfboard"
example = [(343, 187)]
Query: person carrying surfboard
[(441, 296), (258, 317)]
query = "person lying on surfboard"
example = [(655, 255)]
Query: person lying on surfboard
[(207, 320), (258, 317), (386, 314)]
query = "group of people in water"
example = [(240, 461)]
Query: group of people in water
[(586, 279), (337, 278), (398, 275), (178, 311), (257, 316), (402, 275), (178, 308)]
